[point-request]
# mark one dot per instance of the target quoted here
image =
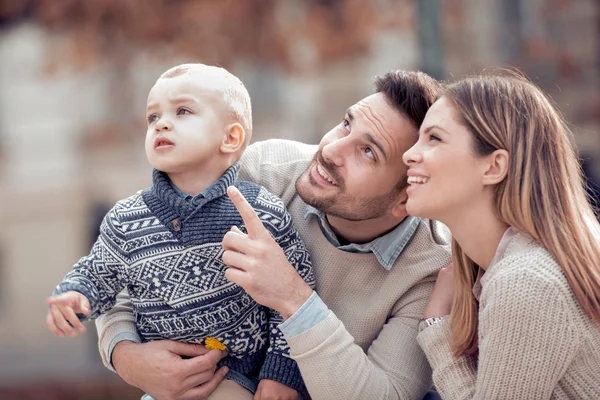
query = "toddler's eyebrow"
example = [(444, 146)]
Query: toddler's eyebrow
[(184, 99)]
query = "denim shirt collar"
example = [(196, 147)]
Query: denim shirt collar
[(386, 248)]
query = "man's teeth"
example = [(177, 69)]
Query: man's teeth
[(324, 175), (417, 179)]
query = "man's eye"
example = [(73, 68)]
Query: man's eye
[(346, 124), (152, 118), (183, 111), (369, 153)]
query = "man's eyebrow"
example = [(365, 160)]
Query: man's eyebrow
[(350, 114), (376, 143)]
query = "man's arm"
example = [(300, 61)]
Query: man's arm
[(114, 326), (394, 366)]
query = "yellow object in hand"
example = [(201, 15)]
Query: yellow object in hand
[(212, 343)]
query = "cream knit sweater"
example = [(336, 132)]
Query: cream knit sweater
[(535, 341), (366, 348)]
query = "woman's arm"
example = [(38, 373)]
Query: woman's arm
[(526, 341)]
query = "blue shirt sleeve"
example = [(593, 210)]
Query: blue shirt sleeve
[(308, 315)]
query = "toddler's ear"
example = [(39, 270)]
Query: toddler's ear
[(233, 139)]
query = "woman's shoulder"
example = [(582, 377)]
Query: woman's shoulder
[(526, 257), (527, 268)]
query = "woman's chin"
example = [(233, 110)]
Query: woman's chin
[(415, 209)]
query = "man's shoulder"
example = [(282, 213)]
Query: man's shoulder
[(429, 248), (282, 151), (276, 164)]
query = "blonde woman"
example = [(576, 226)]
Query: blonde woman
[(517, 316)]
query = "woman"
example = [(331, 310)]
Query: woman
[(494, 162)]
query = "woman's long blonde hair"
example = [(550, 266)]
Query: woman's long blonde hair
[(543, 194)]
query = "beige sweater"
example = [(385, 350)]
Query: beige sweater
[(366, 348), (535, 341)]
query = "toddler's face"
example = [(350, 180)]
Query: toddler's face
[(186, 124)]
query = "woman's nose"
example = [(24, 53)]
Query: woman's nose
[(412, 155)]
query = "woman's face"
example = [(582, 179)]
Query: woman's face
[(445, 175)]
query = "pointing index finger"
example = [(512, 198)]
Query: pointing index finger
[(254, 225)]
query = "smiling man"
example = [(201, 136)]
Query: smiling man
[(374, 265)]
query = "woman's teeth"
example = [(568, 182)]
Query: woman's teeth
[(417, 179)]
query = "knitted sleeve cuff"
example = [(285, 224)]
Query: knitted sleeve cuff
[(113, 331), (313, 338), (283, 370), (435, 342), (452, 377)]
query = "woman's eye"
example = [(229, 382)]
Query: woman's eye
[(152, 118), (434, 137)]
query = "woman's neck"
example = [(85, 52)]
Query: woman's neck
[(478, 231)]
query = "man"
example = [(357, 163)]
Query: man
[(374, 265)]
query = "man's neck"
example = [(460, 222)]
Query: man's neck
[(362, 231)]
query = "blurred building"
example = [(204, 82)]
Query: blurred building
[(74, 80)]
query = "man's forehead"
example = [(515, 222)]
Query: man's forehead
[(396, 129), (377, 109)]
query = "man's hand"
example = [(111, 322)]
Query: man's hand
[(61, 318), (440, 301), (159, 369), (259, 265), (272, 390)]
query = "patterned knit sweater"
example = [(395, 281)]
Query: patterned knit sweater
[(167, 252), (535, 341)]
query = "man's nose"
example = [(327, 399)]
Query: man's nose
[(334, 152)]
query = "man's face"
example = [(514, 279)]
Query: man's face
[(358, 172), (185, 124)]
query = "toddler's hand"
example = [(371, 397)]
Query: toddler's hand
[(272, 390), (61, 318)]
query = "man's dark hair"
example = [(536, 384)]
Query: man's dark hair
[(410, 92)]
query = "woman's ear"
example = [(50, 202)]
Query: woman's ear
[(497, 167), (233, 139)]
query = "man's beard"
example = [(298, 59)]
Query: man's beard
[(342, 204)]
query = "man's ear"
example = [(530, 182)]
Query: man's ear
[(497, 167), (233, 139), (399, 206)]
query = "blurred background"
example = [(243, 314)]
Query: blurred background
[(74, 76)]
